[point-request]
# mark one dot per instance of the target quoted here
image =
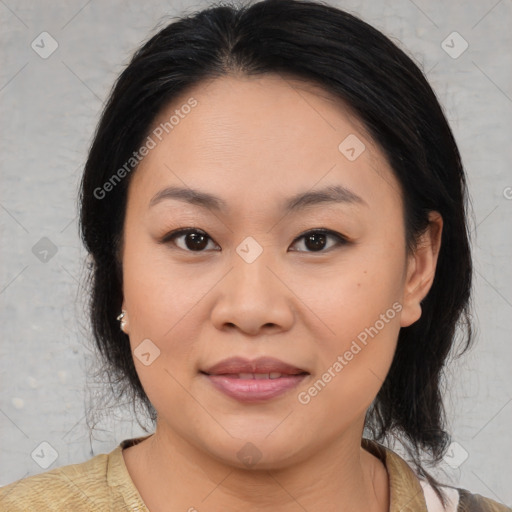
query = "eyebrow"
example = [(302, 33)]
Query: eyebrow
[(330, 194)]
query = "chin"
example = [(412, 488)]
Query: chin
[(255, 452)]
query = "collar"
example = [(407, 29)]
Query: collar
[(405, 490)]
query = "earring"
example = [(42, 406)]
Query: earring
[(123, 320)]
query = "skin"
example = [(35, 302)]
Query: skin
[(255, 142)]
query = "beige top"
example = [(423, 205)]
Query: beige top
[(103, 483)]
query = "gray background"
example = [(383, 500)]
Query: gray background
[(49, 109)]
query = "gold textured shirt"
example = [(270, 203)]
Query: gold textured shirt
[(104, 484)]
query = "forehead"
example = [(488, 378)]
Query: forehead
[(260, 136)]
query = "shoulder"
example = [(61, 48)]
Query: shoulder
[(456, 499), (459, 500), (99, 484), (73, 487), (410, 492), (474, 502)]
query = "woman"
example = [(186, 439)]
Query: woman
[(275, 208)]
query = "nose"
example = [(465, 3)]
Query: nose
[(254, 297)]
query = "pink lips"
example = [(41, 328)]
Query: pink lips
[(254, 381)]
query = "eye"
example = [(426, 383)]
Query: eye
[(316, 240), (194, 240)]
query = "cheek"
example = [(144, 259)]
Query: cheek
[(363, 333), (162, 303), (362, 310), (158, 292), (363, 290), (354, 361)]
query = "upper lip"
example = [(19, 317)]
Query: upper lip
[(260, 365)]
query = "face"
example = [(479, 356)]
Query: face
[(251, 278)]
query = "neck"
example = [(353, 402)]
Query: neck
[(340, 476)]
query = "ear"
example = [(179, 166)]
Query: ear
[(421, 269)]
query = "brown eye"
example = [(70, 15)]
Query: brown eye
[(317, 240), (193, 240)]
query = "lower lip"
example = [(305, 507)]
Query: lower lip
[(254, 390)]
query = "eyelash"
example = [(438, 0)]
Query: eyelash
[(341, 240)]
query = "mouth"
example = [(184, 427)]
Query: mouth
[(258, 376), (254, 381)]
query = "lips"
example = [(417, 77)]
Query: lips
[(254, 381), (261, 368)]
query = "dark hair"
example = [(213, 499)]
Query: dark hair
[(386, 91)]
